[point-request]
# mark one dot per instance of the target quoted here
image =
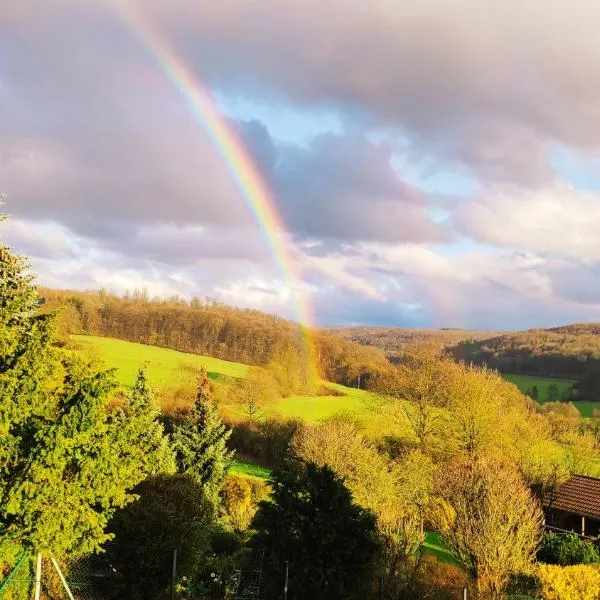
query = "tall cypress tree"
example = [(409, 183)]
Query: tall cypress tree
[(67, 460), (200, 442)]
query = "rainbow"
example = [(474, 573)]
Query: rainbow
[(233, 152)]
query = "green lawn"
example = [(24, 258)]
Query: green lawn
[(244, 469), (164, 366)]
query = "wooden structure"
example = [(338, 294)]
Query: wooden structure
[(575, 506)]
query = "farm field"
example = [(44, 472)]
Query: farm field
[(164, 366), (526, 382)]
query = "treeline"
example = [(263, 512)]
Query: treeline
[(210, 328), (569, 352), (395, 340)]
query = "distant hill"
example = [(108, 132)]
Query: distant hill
[(394, 340), (567, 352)]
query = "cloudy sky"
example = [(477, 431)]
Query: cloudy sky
[(435, 163)]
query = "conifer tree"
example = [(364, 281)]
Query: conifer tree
[(67, 461), (200, 442)]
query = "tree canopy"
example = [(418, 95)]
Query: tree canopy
[(67, 460)]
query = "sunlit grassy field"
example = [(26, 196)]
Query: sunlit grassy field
[(164, 366)]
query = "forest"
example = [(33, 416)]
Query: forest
[(567, 352), (210, 328)]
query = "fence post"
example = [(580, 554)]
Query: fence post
[(38, 576), (465, 594), (174, 574), (285, 585), (62, 578), (381, 587)]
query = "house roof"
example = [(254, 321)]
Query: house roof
[(579, 495)]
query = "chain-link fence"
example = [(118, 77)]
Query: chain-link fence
[(90, 578)]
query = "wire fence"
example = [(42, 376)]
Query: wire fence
[(93, 578)]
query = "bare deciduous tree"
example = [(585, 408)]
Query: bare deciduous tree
[(497, 523)]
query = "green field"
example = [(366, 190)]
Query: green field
[(526, 382), (164, 366)]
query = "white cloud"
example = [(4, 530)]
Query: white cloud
[(560, 220)]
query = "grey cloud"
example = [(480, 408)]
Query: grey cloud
[(491, 83), (342, 187)]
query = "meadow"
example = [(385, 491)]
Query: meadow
[(526, 382), (167, 367), (163, 365)]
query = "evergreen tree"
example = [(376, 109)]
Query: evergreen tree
[(200, 442), (67, 461), (311, 522)]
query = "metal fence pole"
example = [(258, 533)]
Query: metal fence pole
[(285, 585), (381, 587)]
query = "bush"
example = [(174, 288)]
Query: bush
[(578, 582), (266, 441), (566, 549)]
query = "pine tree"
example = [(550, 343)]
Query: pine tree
[(200, 442), (67, 461)]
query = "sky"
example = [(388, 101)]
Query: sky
[(434, 163)]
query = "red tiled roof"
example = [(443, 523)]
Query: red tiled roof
[(579, 495)]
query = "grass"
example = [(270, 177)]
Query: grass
[(167, 367), (164, 366), (434, 544), (526, 382), (244, 469)]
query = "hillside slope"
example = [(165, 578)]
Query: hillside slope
[(393, 340), (568, 352)]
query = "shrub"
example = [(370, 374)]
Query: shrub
[(566, 549), (264, 441), (577, 582)]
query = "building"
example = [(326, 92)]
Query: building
[(575, 506)]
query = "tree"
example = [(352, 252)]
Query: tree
[(553, 393), (256, 391), (172, 513), (497, 523), (476, 404), (417, 389), (199, 441), (67, 460), (329, 541)]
